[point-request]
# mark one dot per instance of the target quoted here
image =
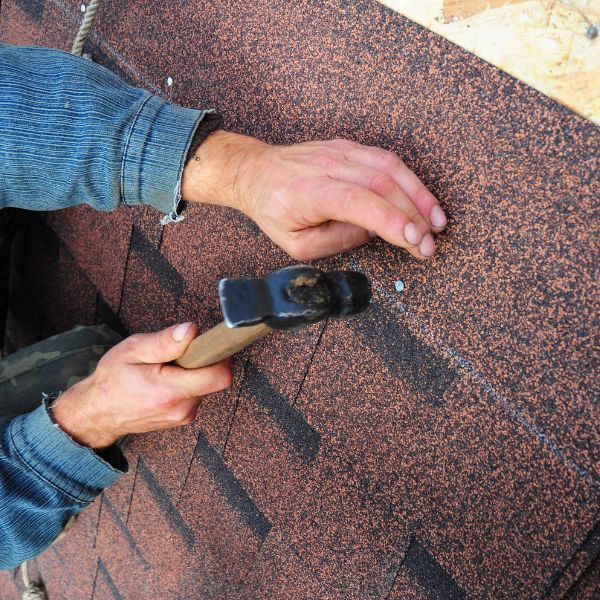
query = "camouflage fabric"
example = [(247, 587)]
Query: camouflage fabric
[(50, 366), (11, 222)]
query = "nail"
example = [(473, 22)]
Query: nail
[(412, 234), (180, 331), (438, 217), (427, 246)]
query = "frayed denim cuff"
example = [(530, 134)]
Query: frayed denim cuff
[(54, 457), (156, 149)]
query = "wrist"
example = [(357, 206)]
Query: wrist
[(217, 173), (70, 411)]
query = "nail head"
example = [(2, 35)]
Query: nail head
[(399, 285), (82, 8), (169, 81)]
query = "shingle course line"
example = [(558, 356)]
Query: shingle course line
[(126, 532), (97, 38), (430, 574), (515, 414), (114, 590), (157, 263), (590, 545), (95, 578), (33, 8), (231, 488), (310, 362), (304, 438), (235, 408), (101, 501), (169, 510), (122, 290), (137, 465)]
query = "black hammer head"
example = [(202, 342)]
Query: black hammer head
[(293, 296)]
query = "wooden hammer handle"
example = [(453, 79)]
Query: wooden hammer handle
[(218, 343)]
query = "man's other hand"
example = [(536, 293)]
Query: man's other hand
[(317, 198), (134, 389)]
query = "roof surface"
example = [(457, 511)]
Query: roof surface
[(442, 445)]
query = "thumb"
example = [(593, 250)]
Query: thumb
[(161, 346)]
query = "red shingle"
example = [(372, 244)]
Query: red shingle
[(82, 228), (340, 538), (67, 568), (228, 525), (444, 441), (160, 534), (122, 556)]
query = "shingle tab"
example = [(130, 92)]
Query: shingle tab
[(444, 442), (425, 569), (300, 434), (231, 488)]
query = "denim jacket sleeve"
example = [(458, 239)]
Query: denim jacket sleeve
[(72, 132), (45, 478)]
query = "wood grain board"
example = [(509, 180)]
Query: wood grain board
[(547, 44)]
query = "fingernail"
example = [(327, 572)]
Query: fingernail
[(180, 331), (412, 234), (437, 217), (427, 246)]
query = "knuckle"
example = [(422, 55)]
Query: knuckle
[(382, 184), (388, 160), (344, 240), (131, 343), (175, 419), (350, 196), (418, 219), (224, 379), (168, 399), (343, 143), (105, 361), (422, 193), (183, 416), (298, 249), (324, 160), (164, 343), (391, 214)]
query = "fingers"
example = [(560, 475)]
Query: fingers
[(354, 204), (326, 239), (160, 347), (192, 383), (390, 164), (182, 413), (417, 228)]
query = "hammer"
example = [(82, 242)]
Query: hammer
[(285, 299)]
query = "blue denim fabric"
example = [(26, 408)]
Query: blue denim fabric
[(45, 477), (72, 132)]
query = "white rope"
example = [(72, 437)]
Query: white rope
[(86, 24), (33, 590)]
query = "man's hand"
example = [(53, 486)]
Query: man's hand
[(134, 390), (318, 198)]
